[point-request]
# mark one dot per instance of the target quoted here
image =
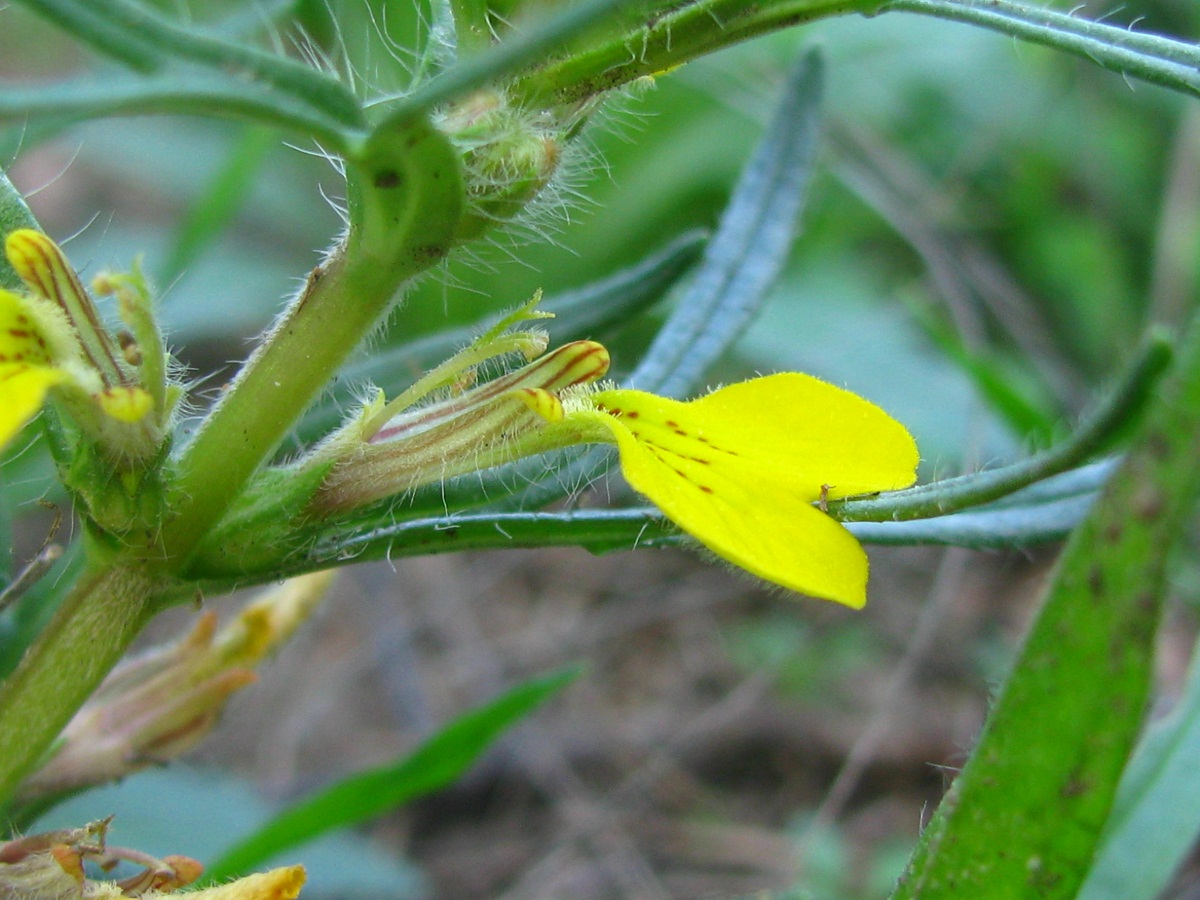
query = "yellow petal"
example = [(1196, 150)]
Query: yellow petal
[(739, 469), (22, 391), (20, 340), (774, 534), (804, 431)]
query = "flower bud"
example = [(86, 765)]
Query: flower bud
[(467, 432), (508, 156), (155, 707)]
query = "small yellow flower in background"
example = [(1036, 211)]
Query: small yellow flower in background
[(51, 339)]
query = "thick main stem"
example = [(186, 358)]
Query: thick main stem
[(86, 638), (406, 199), (339, 304)]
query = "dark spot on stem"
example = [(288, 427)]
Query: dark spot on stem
[(428, 253), (1148, 503), (388, 178), (1158, 445)]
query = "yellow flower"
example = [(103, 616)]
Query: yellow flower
[(51, 340), (744, 469)]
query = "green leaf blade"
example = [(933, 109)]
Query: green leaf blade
[(433, 765), (1025, 816), (750, 247)]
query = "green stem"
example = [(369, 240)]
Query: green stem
[(1158, 60), (472, 32), (406, 198), (190, 92), (515, 53), (660, 40), (142, 39), (89, 633)]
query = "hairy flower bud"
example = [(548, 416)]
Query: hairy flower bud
[(508, 155)]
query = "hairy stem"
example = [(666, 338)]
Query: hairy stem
[(406, 195), (96, 623)]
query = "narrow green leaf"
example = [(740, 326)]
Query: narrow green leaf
[(596, 530), (359, 798), (1158, 60), (138, 36), (89, 24), (14, 214), (1024, 817), (1044, 512), (983, 529), (1156, 816), (750, 247)]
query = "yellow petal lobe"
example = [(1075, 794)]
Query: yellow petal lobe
[(20, 340), (740, 468), (22, 392)]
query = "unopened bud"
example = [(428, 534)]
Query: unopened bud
[(156, 706), (509, 155), (466, 432)]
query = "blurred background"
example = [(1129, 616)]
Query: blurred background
[(990, 229)]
